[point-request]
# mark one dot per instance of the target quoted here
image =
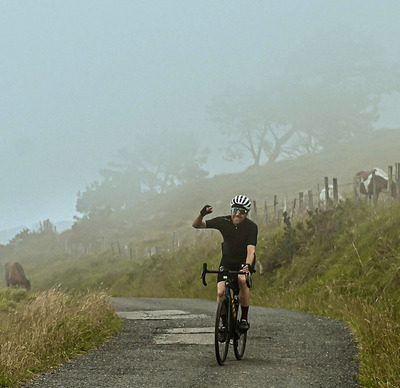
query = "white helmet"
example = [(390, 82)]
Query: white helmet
[(241, 201)]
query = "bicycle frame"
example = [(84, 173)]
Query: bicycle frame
[(233, 299), (229, 302)]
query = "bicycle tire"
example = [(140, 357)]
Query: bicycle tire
[(239, 341), (221, 348)]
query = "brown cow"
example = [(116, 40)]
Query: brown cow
[(15, 276), (381, 182)]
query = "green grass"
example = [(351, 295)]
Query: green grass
[(345, 265)]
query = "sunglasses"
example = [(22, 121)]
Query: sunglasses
[(239, 210)]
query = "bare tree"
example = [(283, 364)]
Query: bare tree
[(254, 123), (329, 93)]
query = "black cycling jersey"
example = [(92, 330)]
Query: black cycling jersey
[(236, 239)]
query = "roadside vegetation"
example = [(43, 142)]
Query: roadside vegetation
[(40, 331), (343, 264)]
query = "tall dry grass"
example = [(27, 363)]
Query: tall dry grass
[(51, 328)]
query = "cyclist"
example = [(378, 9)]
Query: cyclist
[(238, 248)]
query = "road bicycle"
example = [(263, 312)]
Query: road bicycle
[(228, 316)]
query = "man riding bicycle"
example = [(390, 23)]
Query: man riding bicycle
[(238, 248)]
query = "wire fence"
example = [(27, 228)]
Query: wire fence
[(368, 186)]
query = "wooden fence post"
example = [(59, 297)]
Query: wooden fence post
[(173, 240), (292, 210), (390, 182), (326, 193), (310, 201), (374, 196), (301, 203), (255, 208), (397, 174), (335, 191), (356, 189), (265, 213)]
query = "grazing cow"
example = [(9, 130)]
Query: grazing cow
[(15, 276), (381, 183)]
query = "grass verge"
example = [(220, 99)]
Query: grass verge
[(42, 331)]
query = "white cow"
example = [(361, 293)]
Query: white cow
[(322, 196)]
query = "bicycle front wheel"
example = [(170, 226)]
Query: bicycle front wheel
[(239, 342), (221, 334)]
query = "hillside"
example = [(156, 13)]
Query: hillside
[(342, 263), (164, 221), (159, 217), (285, 177)]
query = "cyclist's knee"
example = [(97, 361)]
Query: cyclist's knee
[(242, 281), (221, 289)]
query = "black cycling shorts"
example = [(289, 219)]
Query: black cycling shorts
[(227, 264)]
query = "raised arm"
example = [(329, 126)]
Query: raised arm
[(198, 222)]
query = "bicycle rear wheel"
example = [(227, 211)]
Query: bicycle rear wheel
[(221, 334), (239, 342)]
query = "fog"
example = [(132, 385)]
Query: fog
[(80, 80)]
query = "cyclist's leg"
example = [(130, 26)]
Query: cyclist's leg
[(220, 294), (220, 282), (244, 296), (244, 291), (220, 289)]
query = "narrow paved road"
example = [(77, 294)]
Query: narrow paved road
[(168, 343)]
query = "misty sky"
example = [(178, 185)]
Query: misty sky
[(81, 80)]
